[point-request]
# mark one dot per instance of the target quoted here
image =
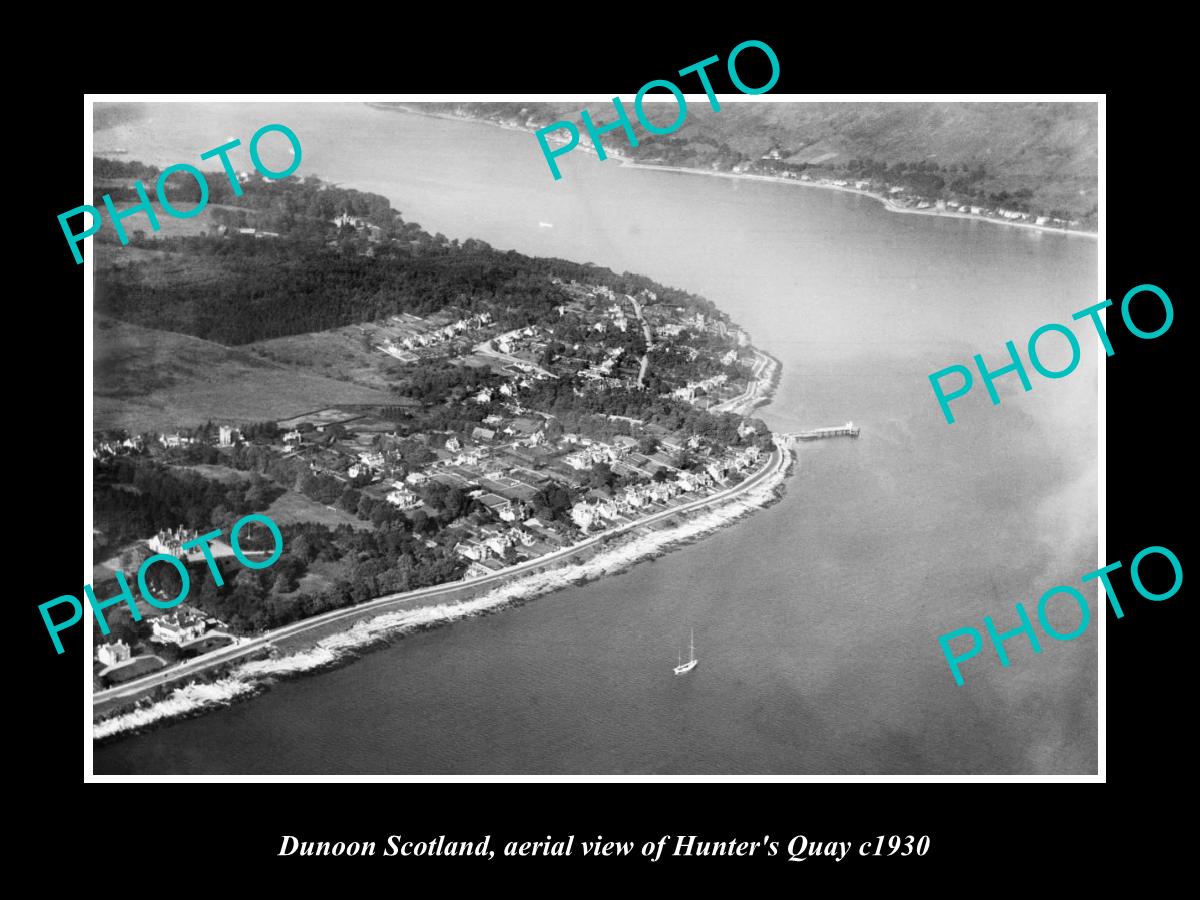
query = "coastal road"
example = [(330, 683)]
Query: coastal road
[(774, 463), (748, 395)]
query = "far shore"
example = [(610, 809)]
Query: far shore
[(773, 179)]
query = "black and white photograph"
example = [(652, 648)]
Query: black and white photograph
[(703, 432)]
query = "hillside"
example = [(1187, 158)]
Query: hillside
[(148, 379), (1042, 154)]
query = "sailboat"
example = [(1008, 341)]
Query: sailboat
[(691, 663)]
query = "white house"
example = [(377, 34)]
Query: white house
[(111, 654), (171, 542), (403, 498), (168, 630)]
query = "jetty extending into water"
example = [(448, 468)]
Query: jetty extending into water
[(847, 430)]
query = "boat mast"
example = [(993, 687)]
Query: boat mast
[(692, 647)]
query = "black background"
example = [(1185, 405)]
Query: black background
[(985, 832)]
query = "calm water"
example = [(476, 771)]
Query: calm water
[(816, 620)]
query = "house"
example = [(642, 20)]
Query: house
[(403, 498), (171, 542), (228, 434), (584, 514), (293, 437), (169, 630), (479, 433), (580, 459), (111, 654), (371, 459), (476, 570), (415, 478), (498, 543), (174, 440), (524, 538), (471, 550), (662, 491), (496, 504), (453, 445)]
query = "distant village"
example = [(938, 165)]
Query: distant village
[(900, 196)]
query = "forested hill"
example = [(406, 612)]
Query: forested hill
[(1044, 153), (312, 275)]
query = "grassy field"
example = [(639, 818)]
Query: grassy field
[(150, 380), (223, 474), (349, 354), (293, 507)]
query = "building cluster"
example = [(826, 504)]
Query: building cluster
[(106, 448), (171, 542), (899, 195), (373, 233), (706, 386), (633, 500), (410, 338)]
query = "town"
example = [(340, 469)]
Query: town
[(505, 444)]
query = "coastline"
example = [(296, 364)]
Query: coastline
[(336, 638), (372, 631), (773, 179)]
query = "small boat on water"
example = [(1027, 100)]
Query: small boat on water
[(684, 667), (545, 224)]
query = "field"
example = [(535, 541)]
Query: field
[(293, 507), (351, 354), (151, 380), (223, 474)]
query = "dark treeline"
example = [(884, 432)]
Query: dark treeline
[(236, 289), (244, 290), (296, 206)]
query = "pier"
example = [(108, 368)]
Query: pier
[(847, 430)]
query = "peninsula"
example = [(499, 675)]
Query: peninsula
[(438, 428)]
